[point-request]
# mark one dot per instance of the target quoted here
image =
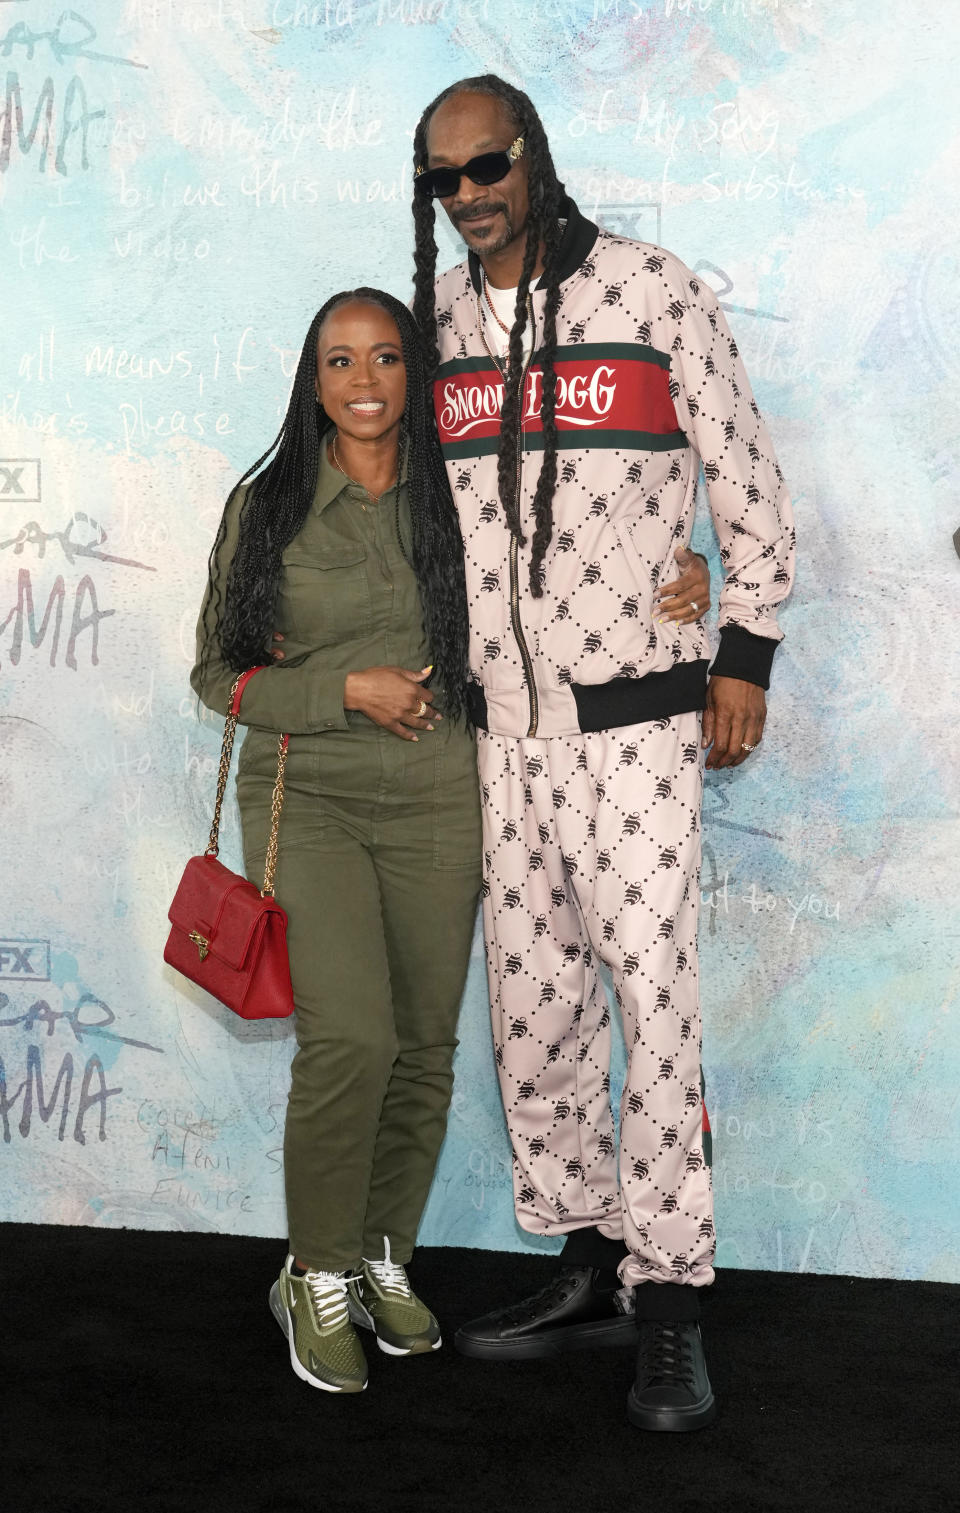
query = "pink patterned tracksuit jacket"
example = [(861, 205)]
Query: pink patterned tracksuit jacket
[(587, 712)]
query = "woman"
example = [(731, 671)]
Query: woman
[(345, 550), (347, 544)]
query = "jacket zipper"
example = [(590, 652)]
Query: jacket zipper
[(522, 646), (516, 625)]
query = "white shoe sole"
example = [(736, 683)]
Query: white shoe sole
[(360, 1315), (281, 1313), (394, 1350)]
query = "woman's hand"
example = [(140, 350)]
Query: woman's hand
[(687, 598), (392, 697)]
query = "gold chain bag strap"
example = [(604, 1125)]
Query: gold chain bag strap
[(226, 934), (226, 756)]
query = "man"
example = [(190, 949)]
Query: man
[(581, 379)]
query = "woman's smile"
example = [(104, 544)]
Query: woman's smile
[(366, 406)]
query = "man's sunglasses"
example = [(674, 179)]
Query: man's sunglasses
[(488, 168)]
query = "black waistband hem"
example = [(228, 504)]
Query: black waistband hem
[(623, 701)]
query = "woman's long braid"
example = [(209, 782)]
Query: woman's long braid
[(437, 544), (403, 444), (279, 499), (273, 510), (543, 230)]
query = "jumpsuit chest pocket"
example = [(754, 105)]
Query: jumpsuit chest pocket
[(325, 593)]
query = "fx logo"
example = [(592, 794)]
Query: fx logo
[(20, 480), (641, 221), (25, 960)]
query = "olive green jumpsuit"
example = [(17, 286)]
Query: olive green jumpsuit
[(378, 870)]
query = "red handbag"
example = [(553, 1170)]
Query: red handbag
[(227, 935)]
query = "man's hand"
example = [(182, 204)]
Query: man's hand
[(686, 598), (393, 697), (733, 720)]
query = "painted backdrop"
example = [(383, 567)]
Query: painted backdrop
[(182, 182)]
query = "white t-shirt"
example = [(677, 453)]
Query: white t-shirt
[(504, 302)]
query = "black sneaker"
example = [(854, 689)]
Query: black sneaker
[(576, 1311), (672, 1390)]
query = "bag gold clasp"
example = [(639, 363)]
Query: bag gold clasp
[(201, 943)]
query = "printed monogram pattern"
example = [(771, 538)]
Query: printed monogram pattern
[(592, 850), (625, 497)]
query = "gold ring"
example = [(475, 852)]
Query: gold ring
[(694, 605), (422, 710), (745, 746)]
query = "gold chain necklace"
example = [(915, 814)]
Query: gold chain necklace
[(486, 295), (340, 468)]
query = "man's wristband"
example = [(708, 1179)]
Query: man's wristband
[(744, 655)]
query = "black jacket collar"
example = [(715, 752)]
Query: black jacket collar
[(576, 244)]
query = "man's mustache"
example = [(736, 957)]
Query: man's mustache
[(490, 208)]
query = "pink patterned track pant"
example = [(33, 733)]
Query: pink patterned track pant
[(592, 847)]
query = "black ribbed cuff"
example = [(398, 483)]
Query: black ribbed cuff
[(670, 1302), (744, 655)]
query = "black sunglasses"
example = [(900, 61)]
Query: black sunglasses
[(488, 168)]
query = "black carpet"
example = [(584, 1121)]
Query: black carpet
[(144, 1371)]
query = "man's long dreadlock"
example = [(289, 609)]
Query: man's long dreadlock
[(279, 498), (543, 230)]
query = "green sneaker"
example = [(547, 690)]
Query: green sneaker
[(381, 1299), (312, 1311)]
